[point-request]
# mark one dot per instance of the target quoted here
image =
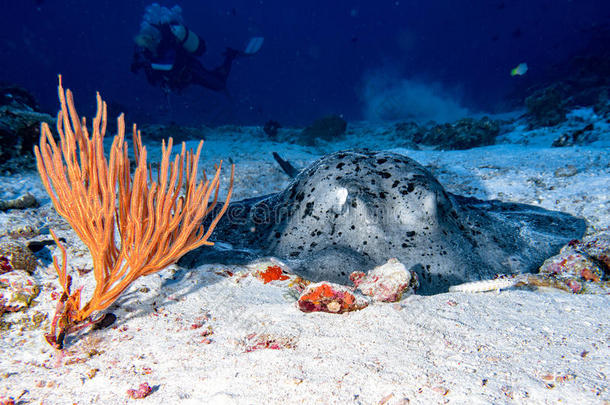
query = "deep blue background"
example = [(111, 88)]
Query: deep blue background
[(314, 60)]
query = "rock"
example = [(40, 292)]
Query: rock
[(25, 201), (386, 283), (326, 129), (5, 265), (17, 291), (576, 137), (18, 98), (143, 391), (583, 266), (546, 107), (271, 128), (463, 134), (566, 171), (19, 128), (329, 297), (19, 256)]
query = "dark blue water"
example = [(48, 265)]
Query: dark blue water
[(319, 57)]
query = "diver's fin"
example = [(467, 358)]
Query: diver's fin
[(254, 45)]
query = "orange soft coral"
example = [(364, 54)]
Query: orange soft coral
[(272, 273)]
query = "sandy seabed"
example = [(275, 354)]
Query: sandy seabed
[(217, 334)]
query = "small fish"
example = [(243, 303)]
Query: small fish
[(520, 70)]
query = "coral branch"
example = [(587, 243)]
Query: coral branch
[(98, 196)]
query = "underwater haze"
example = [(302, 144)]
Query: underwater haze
[(382, 60)]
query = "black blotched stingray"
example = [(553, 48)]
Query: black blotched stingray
[(353, 210)]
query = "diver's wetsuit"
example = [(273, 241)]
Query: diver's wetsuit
[(185, 68)]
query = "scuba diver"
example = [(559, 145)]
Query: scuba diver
[(168, 52)]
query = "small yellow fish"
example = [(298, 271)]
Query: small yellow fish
[(520, 70)]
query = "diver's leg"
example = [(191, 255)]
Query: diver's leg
[(213, 79)]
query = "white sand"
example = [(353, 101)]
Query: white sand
[(515, 346)]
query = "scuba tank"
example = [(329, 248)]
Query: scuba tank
[(188, 39)]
